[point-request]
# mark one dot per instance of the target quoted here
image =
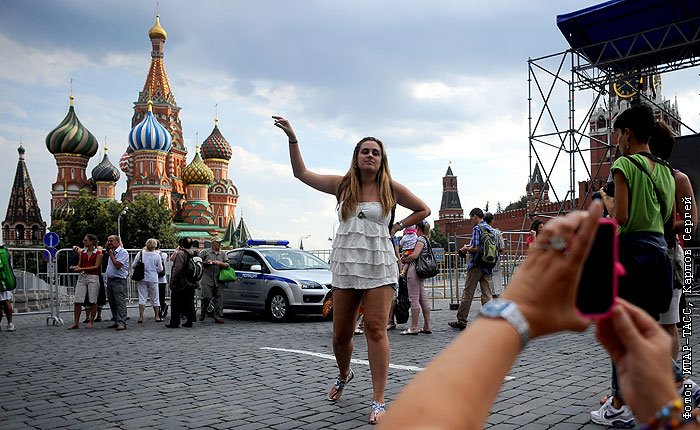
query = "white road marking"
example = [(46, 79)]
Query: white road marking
[(354, 360)]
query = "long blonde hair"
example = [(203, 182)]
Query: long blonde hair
[(350, 186)]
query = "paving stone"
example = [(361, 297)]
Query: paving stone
[(218, 377)]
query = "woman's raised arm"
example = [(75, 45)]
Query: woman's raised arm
[(326, 183)]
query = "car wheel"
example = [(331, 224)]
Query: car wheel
[(278, 308)]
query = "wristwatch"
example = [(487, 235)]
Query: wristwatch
[(508, 311)]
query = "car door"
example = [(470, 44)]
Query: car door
[(253, 283), (233, 291)]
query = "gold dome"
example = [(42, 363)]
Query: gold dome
[(157, 32)]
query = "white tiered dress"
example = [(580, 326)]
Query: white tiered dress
[(363, 254)]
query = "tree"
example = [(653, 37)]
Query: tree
[(438, 238), (148, 217), (499, 209), (520, 204), (486, 209)]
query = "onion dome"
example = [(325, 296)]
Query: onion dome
[(125, 161), (105, 171), (157, 32), (64, 210), (197, 172), (216, 146), (150, 134), (71, 136)]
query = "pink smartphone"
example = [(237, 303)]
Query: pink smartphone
[(598, 287)]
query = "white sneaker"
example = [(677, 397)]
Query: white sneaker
[(609, 416), (11, 327)]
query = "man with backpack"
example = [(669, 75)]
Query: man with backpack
[(483, 255), (183, 283)]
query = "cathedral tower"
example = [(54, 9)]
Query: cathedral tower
[(23, 225), (104, 178), (450, 206), (150, 143), (72, 145), (223, 194), (197, 177), (166, 111)]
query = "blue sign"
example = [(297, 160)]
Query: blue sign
[(439, 254), (51, 239), (50, 254)]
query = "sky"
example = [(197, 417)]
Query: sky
[(441, 83)]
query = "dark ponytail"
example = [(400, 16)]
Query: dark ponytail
[(662, 141)]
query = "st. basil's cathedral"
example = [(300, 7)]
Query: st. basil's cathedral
[(201, 195)]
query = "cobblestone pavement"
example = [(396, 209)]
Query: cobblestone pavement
[(222, 376)]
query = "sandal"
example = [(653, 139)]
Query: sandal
[(409, 331), (377, 413), (339, 386), (359, 331), (424, 331)]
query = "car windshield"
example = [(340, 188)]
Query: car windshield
[(290, 259)]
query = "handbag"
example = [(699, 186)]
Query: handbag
[(139, 270), (426, 265), (227, 275), (403, 303)]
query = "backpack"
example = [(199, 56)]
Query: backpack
[(488, 249), (8, 281), (194, 267)]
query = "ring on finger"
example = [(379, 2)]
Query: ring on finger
[(559, 243)]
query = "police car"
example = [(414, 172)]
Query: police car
[(277, 280)]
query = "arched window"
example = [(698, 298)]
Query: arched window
[(152, 167), (72, 173), (20, 232), (6, 233)]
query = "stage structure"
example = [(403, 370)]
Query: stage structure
[(619, 50)]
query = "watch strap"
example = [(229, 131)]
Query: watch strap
[(510, 312)]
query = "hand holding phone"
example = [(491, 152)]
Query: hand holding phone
[(597, 289)]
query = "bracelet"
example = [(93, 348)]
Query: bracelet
[(292, 142), (671, 416), (400, 224)]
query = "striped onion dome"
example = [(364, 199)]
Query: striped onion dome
[(149, 134), (64, 210), (197, 172), (105, 171), (71, 136), (216, 146), (124, 161)]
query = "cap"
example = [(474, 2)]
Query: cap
[(218, 239)]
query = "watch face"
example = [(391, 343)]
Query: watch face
[(625, 88), (495, 307)]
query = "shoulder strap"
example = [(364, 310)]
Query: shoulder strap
[(393, 209), (668, 225)]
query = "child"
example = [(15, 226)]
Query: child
[(406, 245)]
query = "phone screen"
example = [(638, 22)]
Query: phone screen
[(598, 287)]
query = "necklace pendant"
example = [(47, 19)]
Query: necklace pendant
[(361, 215)]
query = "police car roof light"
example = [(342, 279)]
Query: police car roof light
[(257, 242)]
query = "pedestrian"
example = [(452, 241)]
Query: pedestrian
[(117, 273), (477, 273), (642, 206), (162, 284), (406, 245), (181, 287), (150, 257), (6, 307), (214, 259), (87, 288), (363, 262), (7, 284), (416, 289), (496, 274)]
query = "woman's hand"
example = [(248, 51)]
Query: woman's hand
[(545, 285), (640, 349), (286, 127)]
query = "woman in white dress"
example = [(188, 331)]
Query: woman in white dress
[(148, 286), (362, 259)]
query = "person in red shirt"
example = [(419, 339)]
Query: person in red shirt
[(88, 285)]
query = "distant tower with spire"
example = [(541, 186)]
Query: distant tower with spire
[(72, 145), (537, 190), (450, 206), (223, 194), (197, 178), (23, 225)]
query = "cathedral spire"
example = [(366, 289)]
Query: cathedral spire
[(23, 225)]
